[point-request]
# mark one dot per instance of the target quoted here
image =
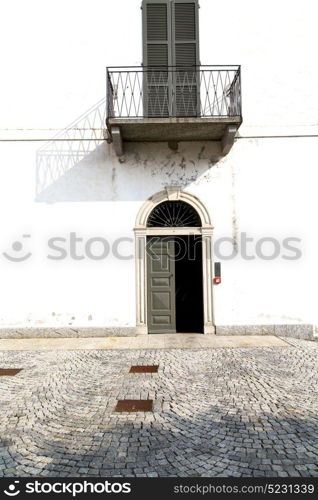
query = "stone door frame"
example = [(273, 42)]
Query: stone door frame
[(173, 193)]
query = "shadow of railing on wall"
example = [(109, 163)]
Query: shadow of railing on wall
[(70, 146)]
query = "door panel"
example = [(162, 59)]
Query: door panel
[(161, 285)]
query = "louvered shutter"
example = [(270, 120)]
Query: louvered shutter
[(170, 38), (185, 54), (157, 57)]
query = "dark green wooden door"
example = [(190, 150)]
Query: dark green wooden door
[(161, 294)]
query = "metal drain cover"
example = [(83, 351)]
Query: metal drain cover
[(144, 369), (9, 372), (133, 405)]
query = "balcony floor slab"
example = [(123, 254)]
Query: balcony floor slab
[(172, 129)]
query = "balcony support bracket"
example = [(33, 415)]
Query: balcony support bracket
[(228, 139), (117, 141)]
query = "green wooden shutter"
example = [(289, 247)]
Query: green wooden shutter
[(156, 57), (185, 52), (170, 38)]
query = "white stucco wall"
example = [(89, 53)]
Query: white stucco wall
[(54, 71)]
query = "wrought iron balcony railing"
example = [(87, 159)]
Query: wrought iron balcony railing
[(171, 92)]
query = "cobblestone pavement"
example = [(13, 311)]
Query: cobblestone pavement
[(218, 412)]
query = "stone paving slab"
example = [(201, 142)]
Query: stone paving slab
[(244, 412), (171, 341), (300, 331)]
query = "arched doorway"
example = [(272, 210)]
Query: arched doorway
[(174, 271), (174, 264)]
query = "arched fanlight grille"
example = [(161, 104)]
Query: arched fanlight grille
[(174, 214)]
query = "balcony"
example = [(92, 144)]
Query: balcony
[(174, 104)]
